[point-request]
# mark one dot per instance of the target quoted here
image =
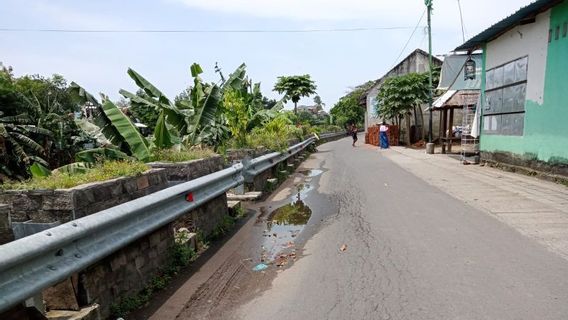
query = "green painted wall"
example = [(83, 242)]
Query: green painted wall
[(546, 126)]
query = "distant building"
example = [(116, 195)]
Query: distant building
[(524, 92), (315, 109), (417, 61)]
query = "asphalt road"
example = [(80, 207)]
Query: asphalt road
[(412, 252)]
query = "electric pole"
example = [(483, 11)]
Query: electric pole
[(428, 4)]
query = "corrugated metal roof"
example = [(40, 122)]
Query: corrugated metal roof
[(524, 14)]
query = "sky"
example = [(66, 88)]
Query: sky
[(337, 61)]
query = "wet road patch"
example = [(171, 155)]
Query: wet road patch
[(282, 228)]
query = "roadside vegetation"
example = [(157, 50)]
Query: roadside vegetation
[(55, 134)]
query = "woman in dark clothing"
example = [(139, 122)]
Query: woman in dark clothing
[(354, 134)]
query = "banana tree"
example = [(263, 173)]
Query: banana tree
[(115, 125), (18, 149), (196, 117)]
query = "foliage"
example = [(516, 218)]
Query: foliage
[(97, 155), (295, 87), (238, 115), (114, 124), (318, 102), (347, 110), (54, 109), (37, 170), (169, 155), (268, 103), (398, 95), (180, 255), (36, 124), (62, 180), (275, 134), (194, 114), (143, 113), (225, 226)]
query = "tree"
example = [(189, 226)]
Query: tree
[(319, 103), (400, 96), (295, 87), (20, 138), (268, 103), (347, 109)]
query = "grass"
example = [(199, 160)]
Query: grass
[(168, 155), (105, 171)]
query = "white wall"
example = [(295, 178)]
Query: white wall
[(530, 39)]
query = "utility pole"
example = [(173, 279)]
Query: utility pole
[(430, 145)]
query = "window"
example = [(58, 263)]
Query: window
[(505, 91)]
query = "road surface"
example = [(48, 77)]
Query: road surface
[(410, 251)]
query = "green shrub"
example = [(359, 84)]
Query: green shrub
[(170, 155), (100, 172)]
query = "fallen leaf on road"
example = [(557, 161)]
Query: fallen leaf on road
[(343, 247)]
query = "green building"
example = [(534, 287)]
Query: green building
[(524, 87)]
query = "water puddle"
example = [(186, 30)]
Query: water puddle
[(312, 173), (282, 227), (302, 191)]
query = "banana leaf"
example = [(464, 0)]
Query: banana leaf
[(236, 79), (28, 142), (37, 170), (174, 116), (149, 88), (127, 132), (162, 136), (116, 126), (74, 168), (205, 102), (100, 154)]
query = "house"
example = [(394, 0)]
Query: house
[(524, 92), (417, 61), (311, 109), (457, 106)]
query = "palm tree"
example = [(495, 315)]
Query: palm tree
[(295, 87)]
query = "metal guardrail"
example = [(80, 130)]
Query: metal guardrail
[(267, 161), (33, 263), (332, 135)]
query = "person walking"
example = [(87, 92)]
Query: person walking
[(384, 137), (354, 133)]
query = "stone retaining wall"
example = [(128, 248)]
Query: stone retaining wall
[(239, 154), (64, 205), (189, 170), (6, 234)]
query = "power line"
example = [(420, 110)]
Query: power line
[(22, 30), (408, 41)]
